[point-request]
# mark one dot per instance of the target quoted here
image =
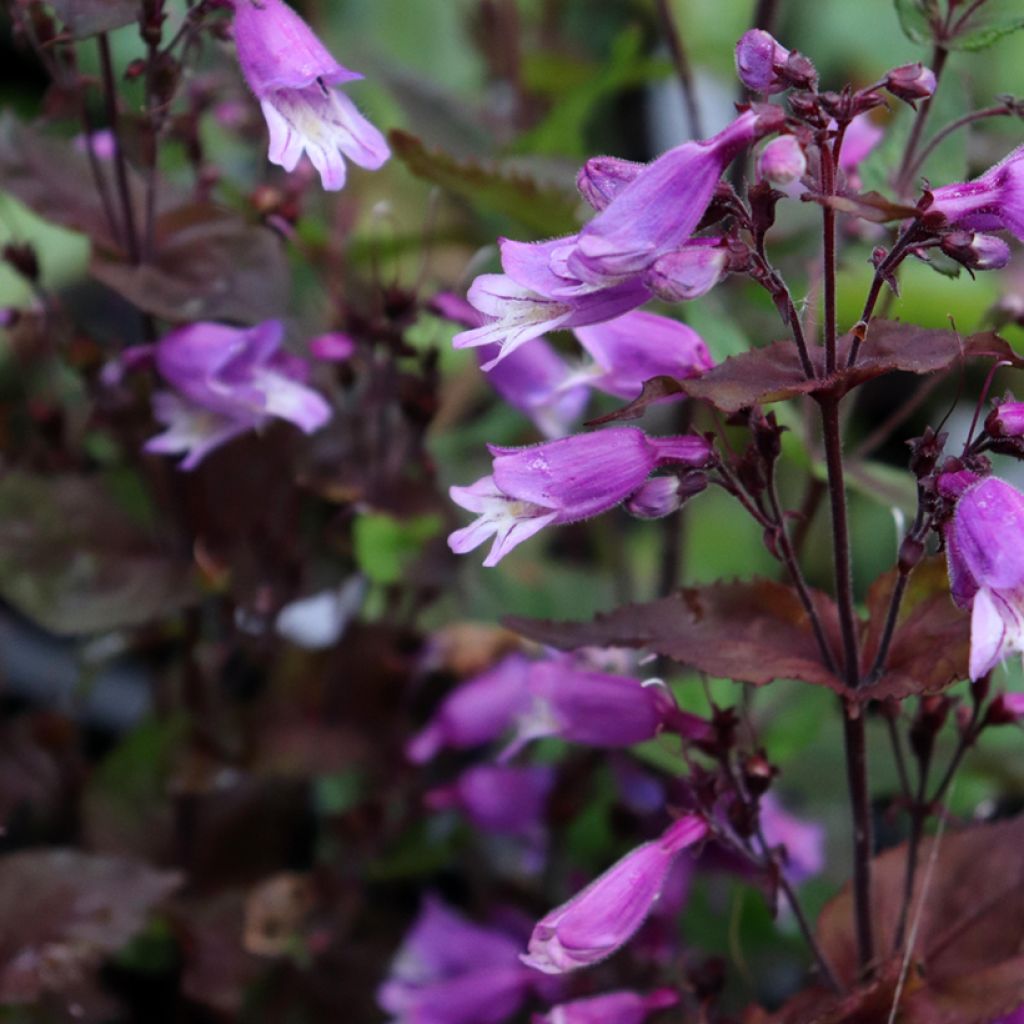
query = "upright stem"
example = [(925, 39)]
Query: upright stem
[(918, 814), (828, 185), (853, 717), (682, 63), (120, 163)]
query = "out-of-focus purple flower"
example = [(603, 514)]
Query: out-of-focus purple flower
[(499, 798), (333, 347), (782, 161), (228, 380), (476, 712), (690, 271), (911, 82), (985, 554), (860, 138), (638, 346), (292, 74), (607, 913), (1006, 420), (451, 971), (662, 495), (602, 178), (1017, 1017), (976, 251), (659, 209), (564, 481), (804, 841), (760, 58), (992, 201), (597, 709), (610, 1008), (1006, 709), (103, 143), (533, 379)]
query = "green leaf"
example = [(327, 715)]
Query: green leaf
[(993, 22), (385, 546), (543, 208), (917, 18)]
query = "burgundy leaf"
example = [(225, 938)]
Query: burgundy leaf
[(657, 389), (754, 632), (872, 206)]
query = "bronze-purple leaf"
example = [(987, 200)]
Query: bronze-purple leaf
[(753, 631), (655, 390)]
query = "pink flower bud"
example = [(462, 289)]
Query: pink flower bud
[(782, 161), (759, 59), (976, 251), (610, 1008), (333, 347), (604, 916), (1006, 420), (1006, 709), (689, 272), (602, 177), (911, 82), (663, 495)]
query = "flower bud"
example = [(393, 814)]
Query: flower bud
[(911, 82), (601, 177), (1006, 709), (759, 58), (976, 251), (689, 272), (1006, 420), (782, 161), (663, 495), (333, 347), (603, 917)]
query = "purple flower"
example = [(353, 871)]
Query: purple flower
[(534, 379), (564, 481), (607, 913), (228, 380), (659, 209), (1017, 1017), (451, 971), (333, 347), (985, 556), (976, 251), (760, 58), (596, 708), (782, 161), (476, 712), (1006, 420), (860, 138), (610, 1008), (1006, 709), (638, 346), (291, 74), (993, 201), (911, 82), (690, 271), (499, 798), (804, 841), (602, 178), (662, 495)]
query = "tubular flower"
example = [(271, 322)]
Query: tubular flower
[(659, 209), (228, 380), (992, 201), (564, 481), (986, 568), (451, 971), (610, 1008), (603, 917), (634, 348), (292, 75)]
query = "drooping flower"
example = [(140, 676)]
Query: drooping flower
[(804, 841), (476, 712), (293, 76), (452, 971), (564, 481), (604, 916), (985, 556), (992, 201), (228, 381), (659, 209), (610, 1008), (534, 378), (638, 346), (507, 799)]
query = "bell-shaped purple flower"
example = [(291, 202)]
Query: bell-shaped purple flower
[(451, 971), (992, 201), (603, 917), (659, 209), (782, 162), (228, 380), (610, 1008), (534, 379), (760, 59), (476, 712), (985, 554), (293, 75), (634, 348), (564, 481), (499, 798)]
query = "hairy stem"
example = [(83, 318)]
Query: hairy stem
[(828, 184)]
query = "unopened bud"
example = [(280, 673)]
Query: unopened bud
[(782, 161), (688, 272), (911, 82), (759, 60), (602, 177), (662, 495), (976, 251), (1006, 709), (1006, 420)]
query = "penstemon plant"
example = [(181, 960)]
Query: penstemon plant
[(221, 456)]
